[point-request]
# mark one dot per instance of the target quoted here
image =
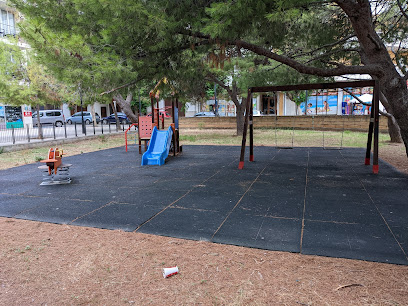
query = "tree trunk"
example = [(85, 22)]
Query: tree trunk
[(374, 52), (125, 106), (116, 116), (93, 113), (40, 130), (393, 129), (240, 118)]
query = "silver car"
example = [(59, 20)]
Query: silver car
[(77, 118), (205, 114), (50, 116)]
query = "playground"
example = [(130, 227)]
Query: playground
[(190, 196), (304, 200), (300, 213)]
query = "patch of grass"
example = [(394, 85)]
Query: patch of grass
[(189, 138), (38, 158), (281, 138), (18, 158), (201, 136)]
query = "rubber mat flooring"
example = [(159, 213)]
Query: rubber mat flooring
[(306, 200)]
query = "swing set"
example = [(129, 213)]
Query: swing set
[(373, 129)]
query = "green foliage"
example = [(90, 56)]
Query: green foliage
[(101, 45), (297, 96), (24, 81)]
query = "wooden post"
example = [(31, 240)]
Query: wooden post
[(370, 135), (174, 127), (251, 131), (152, 106), (376, 103), (244, 133), (177, 126)]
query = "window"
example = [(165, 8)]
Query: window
[(7, 23)]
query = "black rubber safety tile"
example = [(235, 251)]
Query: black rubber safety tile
[(14, 182), (51, 190), (68, 192), (184, 223), (267, 233), (395, 213), (381, 194), (12, 205), (354, 241), (347, 211), (179, 184), (54, 211), (286, 167), (229, 187), (401, 235), (337, 196), (284, 187), (126, 217), (18, 187), (207, 200), (150, 196), (273, 205)]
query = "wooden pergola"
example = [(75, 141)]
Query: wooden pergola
[(372, 129)]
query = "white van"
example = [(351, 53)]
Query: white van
[(50, 116)]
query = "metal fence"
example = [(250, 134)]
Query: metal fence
[(14, 135)]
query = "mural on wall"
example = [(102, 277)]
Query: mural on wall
[(225, 108), (350, 105), (327, 102), (320, 102)]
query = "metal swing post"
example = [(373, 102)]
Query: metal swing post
[(244, 133), (251, 131), (376, 103), (370, 135)]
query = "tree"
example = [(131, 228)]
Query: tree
[(320, 38), (25, 82), (352, 38)]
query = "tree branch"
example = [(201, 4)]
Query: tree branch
[(325, 46), (119, 87), (365, 103), (231, 92), (371, 69), (302, 68), (402, 9)]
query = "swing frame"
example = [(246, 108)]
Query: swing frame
[(373, 129)]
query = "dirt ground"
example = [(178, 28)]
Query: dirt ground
[(49, 264)]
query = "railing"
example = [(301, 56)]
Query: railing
[(126, 134), (15, 135)]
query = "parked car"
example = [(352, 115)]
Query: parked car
[(256, 113), (111, 118), (205, 114), (51, 116), (77, 118)]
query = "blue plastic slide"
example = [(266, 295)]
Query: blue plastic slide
[(159, 147)]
